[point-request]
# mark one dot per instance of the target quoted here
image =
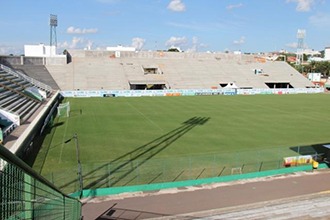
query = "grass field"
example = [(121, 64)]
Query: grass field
[(125, 141)]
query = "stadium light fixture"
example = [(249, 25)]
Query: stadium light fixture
[(80, 177)]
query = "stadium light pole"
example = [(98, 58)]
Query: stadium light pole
[(80, 178)]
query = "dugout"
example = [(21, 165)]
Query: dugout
[(327, 153), (279, 85), (147, 85)]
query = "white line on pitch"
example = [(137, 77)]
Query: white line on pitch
[(143, 115)]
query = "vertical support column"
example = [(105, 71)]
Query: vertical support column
[(64, 207)]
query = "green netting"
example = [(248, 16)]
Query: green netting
[(63, 109), (23, 196), (143, 170)]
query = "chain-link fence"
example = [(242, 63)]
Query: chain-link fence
[(147, 170), (26, 195)]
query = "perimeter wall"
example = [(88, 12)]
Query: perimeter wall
[(185, 92), (189, 183)]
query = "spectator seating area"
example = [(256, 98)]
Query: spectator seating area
[(20, 97), (97, 70)]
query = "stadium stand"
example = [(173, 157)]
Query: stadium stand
[(95, 70), (26, 106), (20, 98), (39, 72)]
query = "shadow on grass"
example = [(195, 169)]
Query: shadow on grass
[(57, 124), (116, 170), (37, 158)]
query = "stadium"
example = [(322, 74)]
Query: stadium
[(98, 123)]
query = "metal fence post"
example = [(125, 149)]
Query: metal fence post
[(64, 205), (109, 174), (27, 203), (25, 194)]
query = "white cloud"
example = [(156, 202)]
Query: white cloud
[(108, 1), (73, 30), (195, 40), (292, 45), (195, 26), (195, 45), (76, 43), (320, 20), (303, 5), (185, 26), (89, 44), (240, 41), (185, 44), (230, 7), (176, 42), (176, 5), (6, 50), (138, 43)]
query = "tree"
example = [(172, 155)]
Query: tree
[(318, 67), (173, 49)]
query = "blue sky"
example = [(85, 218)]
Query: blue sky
[(193, 25)]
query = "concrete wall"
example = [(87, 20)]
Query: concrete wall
[(161, 54), (22, 60)]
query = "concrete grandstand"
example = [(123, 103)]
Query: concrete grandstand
[(95, 70), (25, 108)]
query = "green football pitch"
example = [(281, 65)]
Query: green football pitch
[(126, 141)]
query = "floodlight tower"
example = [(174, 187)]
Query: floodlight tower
[(300, 46), (53, 36)]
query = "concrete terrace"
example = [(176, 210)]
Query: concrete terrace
[(295, 196), (95, 70)]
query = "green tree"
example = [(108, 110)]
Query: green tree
[(318, 67), (173, 50)]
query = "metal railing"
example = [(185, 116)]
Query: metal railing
[(29, 79), (24, 194)]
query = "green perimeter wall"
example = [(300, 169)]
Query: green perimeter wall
[(168, 185)]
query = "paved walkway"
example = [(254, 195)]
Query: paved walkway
[(304, 195)]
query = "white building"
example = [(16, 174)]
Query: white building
[(40, 50), (121, 49), (320, 59), (314, 77), (327, 53)]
